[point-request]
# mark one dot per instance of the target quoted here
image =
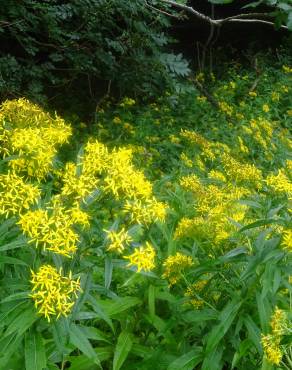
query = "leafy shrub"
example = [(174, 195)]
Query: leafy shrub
[(95, 44)]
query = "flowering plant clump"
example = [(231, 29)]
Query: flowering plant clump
[(163, 235)]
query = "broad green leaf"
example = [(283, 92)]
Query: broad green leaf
[(16, 297), (226, 318), (187, 361), (78, 339), (82, 362), (122, 349), (212, 361), (101, 312), (60, 330), (22, 322), (254, 333), (264, 310), (35, 356)]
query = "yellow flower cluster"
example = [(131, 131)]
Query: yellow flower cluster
[(53, 294), (287, 240), (113, 172), (142, 258), (192, 291), (226, 108), (207, 148), (287, 69), (16, 196), (147, 211), (52, 227), (175, 265), (77, 186), (118, 240), (123, 180), (216, 205), (31, 134), (280, 183), (271, 342), (241, 173)]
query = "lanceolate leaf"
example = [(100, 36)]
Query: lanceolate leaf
[(35, 356), (122, 349), (79, 339), (226, 318), (187, 361)]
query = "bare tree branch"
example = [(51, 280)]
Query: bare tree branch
[(243, 18)]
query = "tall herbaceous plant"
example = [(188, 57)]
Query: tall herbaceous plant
[(103, 268)]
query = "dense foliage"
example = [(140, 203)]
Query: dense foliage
[(157, 238), (93, 45)]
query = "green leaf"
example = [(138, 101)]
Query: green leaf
[(226, 318), (254, 332), (108, 271), (122, 349), (259, 223), (22, 322), (79, 340), (11, 261), (116, 306), (99, 310), (187, 361), (18, 243), (16, 297), (151, 300), (35, 356)]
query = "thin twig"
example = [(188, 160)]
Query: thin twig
[(162, 11)]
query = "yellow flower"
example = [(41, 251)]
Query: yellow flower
[(287, 240), (217, 175), (266, 108), (127, 102), (252, 93), (174, 266), (271, 342), (147, 211), (275, 96), (123, 180), (117, 120), (77, 186), (201, 99), (226, 108), (16, 196), (287, 69), (280, 182), (271, 349), (118, 240), (142, 258), (186, 160), (53, 294), (52, 228), (243, 148), (31, 134)]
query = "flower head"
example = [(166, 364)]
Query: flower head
[(174, 266), (118, 240), (53, 294), (142, 258), (16, 196)]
